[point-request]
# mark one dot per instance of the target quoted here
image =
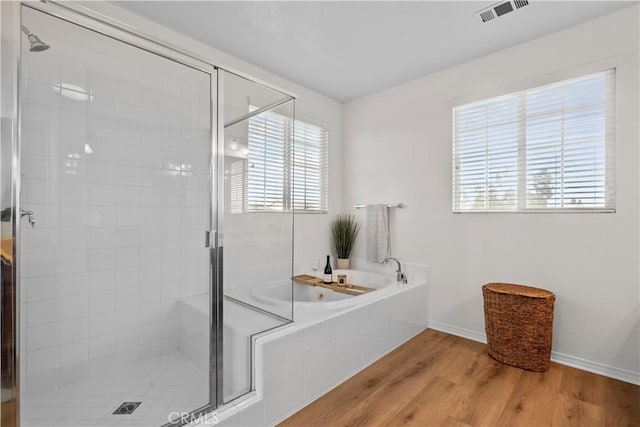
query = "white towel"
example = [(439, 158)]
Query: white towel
[(378, 243)]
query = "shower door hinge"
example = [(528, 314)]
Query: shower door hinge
[(209, 239)]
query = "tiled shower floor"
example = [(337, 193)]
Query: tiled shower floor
[(164, 384)]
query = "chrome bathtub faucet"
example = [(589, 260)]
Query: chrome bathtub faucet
[(400, 276)]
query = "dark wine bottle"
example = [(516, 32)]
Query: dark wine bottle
[(328, 273)]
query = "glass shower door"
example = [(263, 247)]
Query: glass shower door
[(257, 221), (115, 279)]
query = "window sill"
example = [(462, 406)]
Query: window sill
[(543, 211), (297, 211)]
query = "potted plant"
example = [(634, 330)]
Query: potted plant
[(344, 229)]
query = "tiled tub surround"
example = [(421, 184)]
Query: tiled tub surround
[(322, 348), (115, 165)]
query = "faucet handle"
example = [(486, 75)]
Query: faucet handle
[(401, 278), (30, 217)]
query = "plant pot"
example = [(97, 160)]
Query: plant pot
[(343, 263)]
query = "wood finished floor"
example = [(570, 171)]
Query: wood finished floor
[(437, 379)]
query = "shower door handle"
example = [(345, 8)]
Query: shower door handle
[(210, 239), (30, 217)]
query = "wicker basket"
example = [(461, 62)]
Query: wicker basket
[(519, 324)]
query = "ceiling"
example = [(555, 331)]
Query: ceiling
[(345, 50)]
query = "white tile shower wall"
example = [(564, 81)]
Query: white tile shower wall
[(258, 249), (311, 237), (302, 363), (115, 166)]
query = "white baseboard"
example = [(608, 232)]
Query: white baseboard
[(561, 358), (596, 367), (459, 332)]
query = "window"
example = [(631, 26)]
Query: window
[(281, 177), (548, 148), (269, 139), (310, 168)]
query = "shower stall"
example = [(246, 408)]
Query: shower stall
[(138, 218)]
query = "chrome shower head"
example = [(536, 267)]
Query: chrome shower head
[(37, 45)]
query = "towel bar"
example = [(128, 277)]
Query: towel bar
[(399, 205)]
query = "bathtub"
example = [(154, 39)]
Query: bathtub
[(307, 297), (330, 340)]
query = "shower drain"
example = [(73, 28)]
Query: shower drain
[(126, 408)]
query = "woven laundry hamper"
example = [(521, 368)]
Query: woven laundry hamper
[(519, 324)]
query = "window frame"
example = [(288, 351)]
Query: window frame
[(607, 66)]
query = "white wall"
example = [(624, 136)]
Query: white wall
[(398, 149)]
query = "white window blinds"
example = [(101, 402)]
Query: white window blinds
[(238, 186), (310, 168), (542, 149), (269, 139), (282, 174)]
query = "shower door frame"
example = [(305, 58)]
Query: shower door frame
[(11, 16)]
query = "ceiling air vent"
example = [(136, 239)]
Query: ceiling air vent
[(487, 15), (520, 3), (497, 10)]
